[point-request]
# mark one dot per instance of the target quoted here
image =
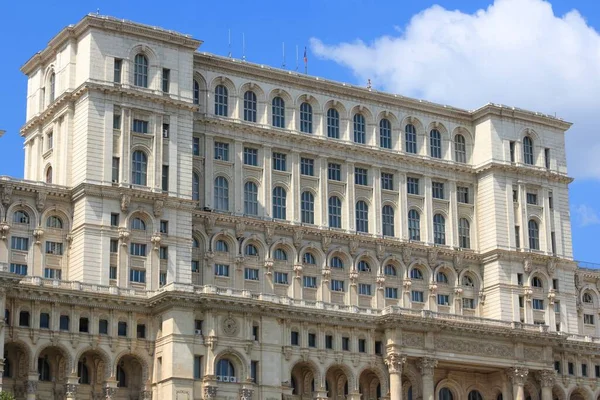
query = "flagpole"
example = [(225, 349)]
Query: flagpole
[(296, 57), (243, 46), (229, 31), (305, 62), (283, 48)]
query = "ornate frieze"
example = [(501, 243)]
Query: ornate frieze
[(484, 348)]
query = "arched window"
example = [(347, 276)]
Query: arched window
[(251, 250), (439, 229), (468, 281), (83, 374), (390, 270), (445, 394), (363, 266), (221, 100), (20, 217), (196, 92), (52, 86), (333, 123), (385, 134), (221, 194), (280, 255), (416, 273), (279, 202), (475, 395), (195, 243), (140, 71), (359, 129), (441, 277), (250, 106), (306, 118), (410, 138), (309, 258), (121, 377), (536, 282), (435, 144), (250, 198), (139, 168), (464, 233), (362, 216), (195, 187), (278, 111), (527, 150), (221, 246), (138, 224), (44, 369), (460, 149), (534, 235), (336, 262), (54, 222), (414, 225), (499, 397), (307, 208), (335, 212), (387, 220), (225, 370), (587, 298), (49, 175)]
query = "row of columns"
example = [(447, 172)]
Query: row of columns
[(109, 391), (210, 392)]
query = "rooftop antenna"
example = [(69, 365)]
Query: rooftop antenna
[(243, 47), (229, 54), (283, 49)]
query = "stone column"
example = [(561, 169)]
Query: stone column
[(146, 395), (394, 362), (321, 394), (427, 366), (110, 389), (518, 376), (31, 386), (546, 378), (210, 392), (246, 393), (71, 388)]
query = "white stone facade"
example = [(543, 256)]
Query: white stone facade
[(197, 227)]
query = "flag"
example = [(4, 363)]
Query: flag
[(305, 57)]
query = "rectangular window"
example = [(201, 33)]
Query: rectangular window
[(362, 346), (103, 327), (137, 275), (515, 193), (55, 248), (512, 151), (538, 304), (166, 131), (329, 342), (162, 279), (250, 156), (588, 319), (44, 321), (122, 328), (140, 126), (195, 266), (571, 368), (164, 226), (138, 249), (387, 181), (295, 338), (19, 243), (378, 347), (468, 304), (557, 366), (550, 200), (221, 270), (346, 343), (51, 273), (196, 146), (462, 194), (50, 140), (517, 236), (553, 242), (254, 371), (221, 151), (391, 293), (557, 307), (360, 176), (412, 185), (310, 282), (251, 274), (112, 272), (114, 245), (547, 158), (163, 253), (597, 369), (64, 323), (279, 162), (166, 75), (255, 333), (437, 190), (364, 289), (114, 219), (165, 178), (84, 325), (532, 198), (118, 66), (337, 286), (417, 296), (141, 331), (584, 370), (117, 122), (307, 166), (555, 284), (443, 299), (19, 269), (334, 172), (197, 367), (312, 340), (115, 169), (281, 278), (521, 302)]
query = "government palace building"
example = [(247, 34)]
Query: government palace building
[(191, 226)]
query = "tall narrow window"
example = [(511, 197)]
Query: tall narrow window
[(139, 167), (362, 216), (414, 225), (387, 220), (464, 233), (410, 138), (534, 235), (333, 123), (435, 144), (250, 106), (279, 203), (196, 92), (140, 71), (460, 149), (221, 100), (118, 66), (52, 86), (306, 118), (250, 198), (527, 150), (385, 134), (547, 158), (307, 206), (439, 229), (165, 178), (49, 175), (278, 112), (115, 169), (335, 212), (360, 135), (512, 150), (195, 186), (221, 194), (166, 80)]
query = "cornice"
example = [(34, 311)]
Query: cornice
[(514, 113), (529, 170)]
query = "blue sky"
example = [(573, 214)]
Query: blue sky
[(526, 53)]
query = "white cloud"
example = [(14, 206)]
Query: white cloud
[(586, 215), (515, 52)]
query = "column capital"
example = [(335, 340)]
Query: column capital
[(394, 362), (546, 377), (31, 387), (246, 394), (210, 392), (427, 365), (71, 389), (517, 375)]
